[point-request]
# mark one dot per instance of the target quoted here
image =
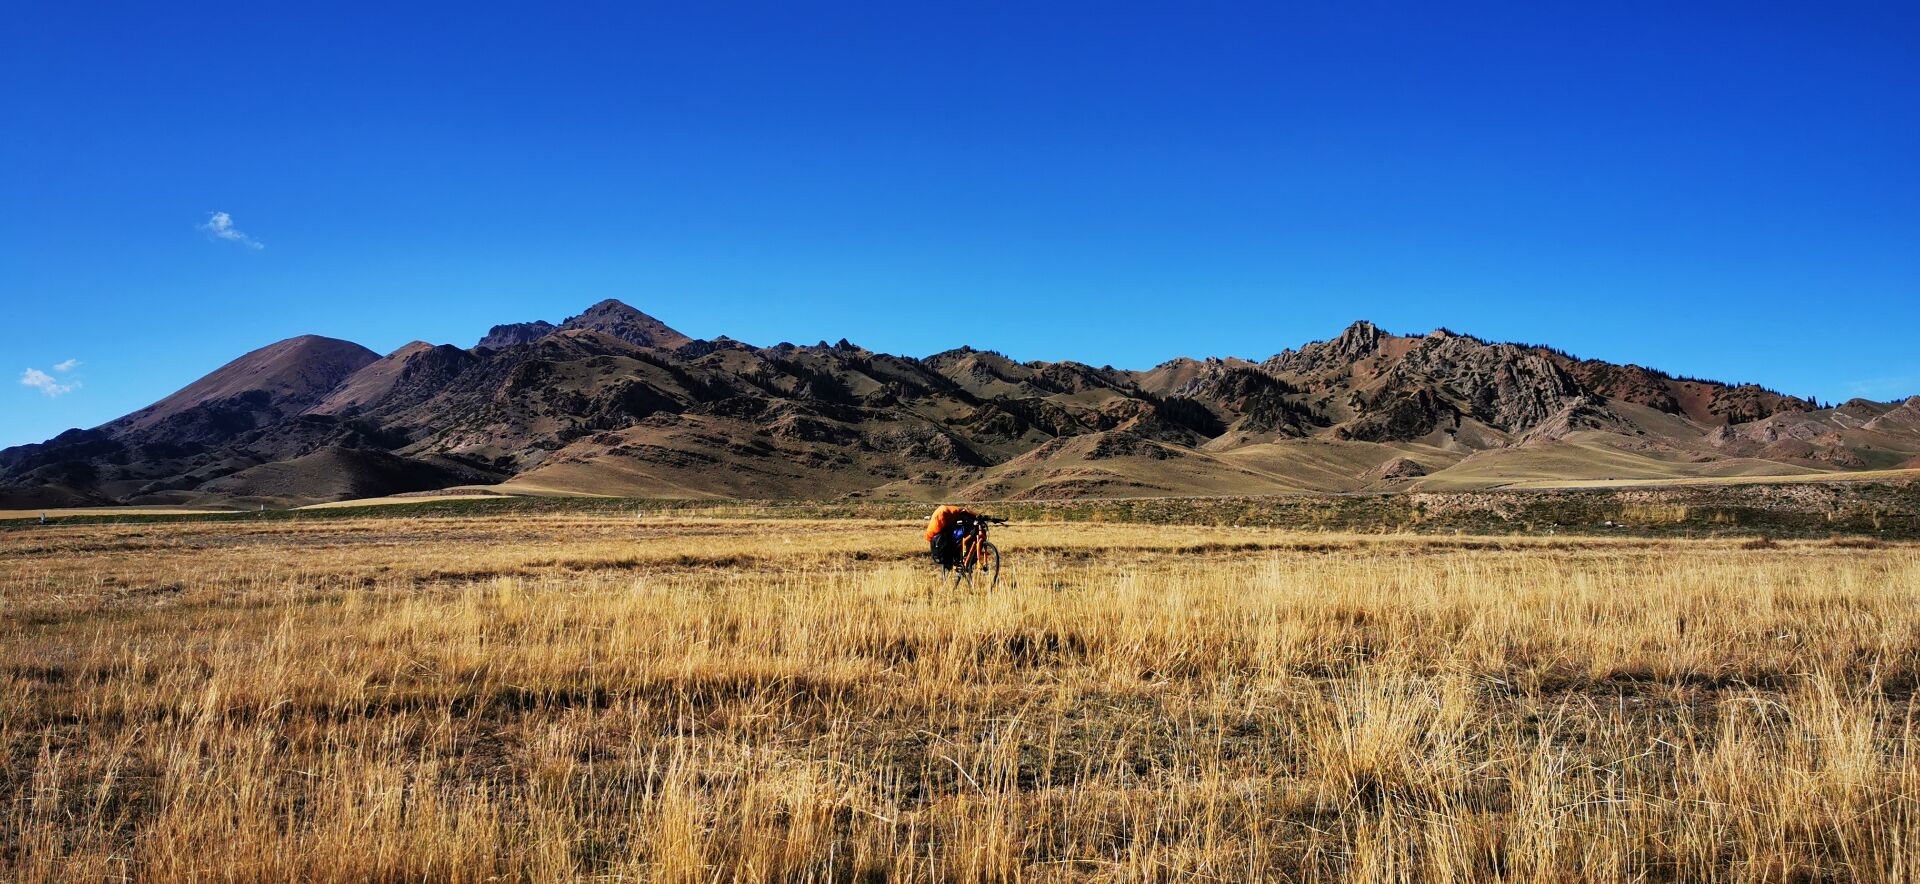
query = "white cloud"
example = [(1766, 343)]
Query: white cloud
[(66, 366), (47, 383), (1887, 388), (220, 226)]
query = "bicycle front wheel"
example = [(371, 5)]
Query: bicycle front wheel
[(988, 566)]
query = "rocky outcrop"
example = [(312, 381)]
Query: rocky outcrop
[(1903, 418), (1396, 469), (1625, 383), (1750, 402), (1257, 401), (1398, 415), (1580, 413), (1505, 386), (1359, 342), (515, 333)]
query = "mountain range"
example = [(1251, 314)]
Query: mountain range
[(614, 401)]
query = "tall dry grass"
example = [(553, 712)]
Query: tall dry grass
[(688, 700)]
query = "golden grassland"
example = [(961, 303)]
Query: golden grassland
[(696, 699)]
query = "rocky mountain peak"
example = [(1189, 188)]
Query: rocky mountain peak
[(1360, 341), (1361, 336), (616, 318), (612, 307), (512, 333)]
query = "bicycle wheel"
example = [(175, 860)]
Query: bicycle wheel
[(988, 565)]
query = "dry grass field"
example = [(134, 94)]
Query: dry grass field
[(690, 698)]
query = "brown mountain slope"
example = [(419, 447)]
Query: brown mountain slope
[(338, 473), (288, 376), (613, 401), (415, 371)]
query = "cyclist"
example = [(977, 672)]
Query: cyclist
[(945, 527)]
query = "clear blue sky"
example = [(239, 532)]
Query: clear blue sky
[(1730, 190)]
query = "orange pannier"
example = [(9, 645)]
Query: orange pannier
[(943, 518)]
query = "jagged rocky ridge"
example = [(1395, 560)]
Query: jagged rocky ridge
[(615, 401)]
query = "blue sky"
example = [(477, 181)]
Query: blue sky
[(1728, 190)]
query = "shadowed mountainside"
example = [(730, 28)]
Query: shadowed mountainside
[(613, 401)]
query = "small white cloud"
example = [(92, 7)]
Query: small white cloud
[(219, 225), (1887, 388), (66, 366), (47, 383)]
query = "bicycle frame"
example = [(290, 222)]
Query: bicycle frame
[(971, 545)]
